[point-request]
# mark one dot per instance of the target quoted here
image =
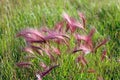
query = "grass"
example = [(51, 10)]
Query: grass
[(16, 15)]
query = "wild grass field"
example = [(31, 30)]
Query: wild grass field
[(15, 15)]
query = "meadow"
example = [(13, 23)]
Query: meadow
[(16, 15)]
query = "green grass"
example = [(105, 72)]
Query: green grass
[(16, 15)]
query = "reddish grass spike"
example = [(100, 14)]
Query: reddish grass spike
[(92, 32), (82, 48), (57, 37), (48, 70), (77, 24), (89, 38), (49, 54), (31, 35), (83, 18), (72, 24), (86, 38), (50, 36), (24, 64), (29, 50), (56, 50), (83, 37), (60, 38), (82, 60), (79, 58), (79, 38), (85, 49), (67, 27), (104, 53), (43, 65), (101, 43), (66, 17), (59, 26)]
